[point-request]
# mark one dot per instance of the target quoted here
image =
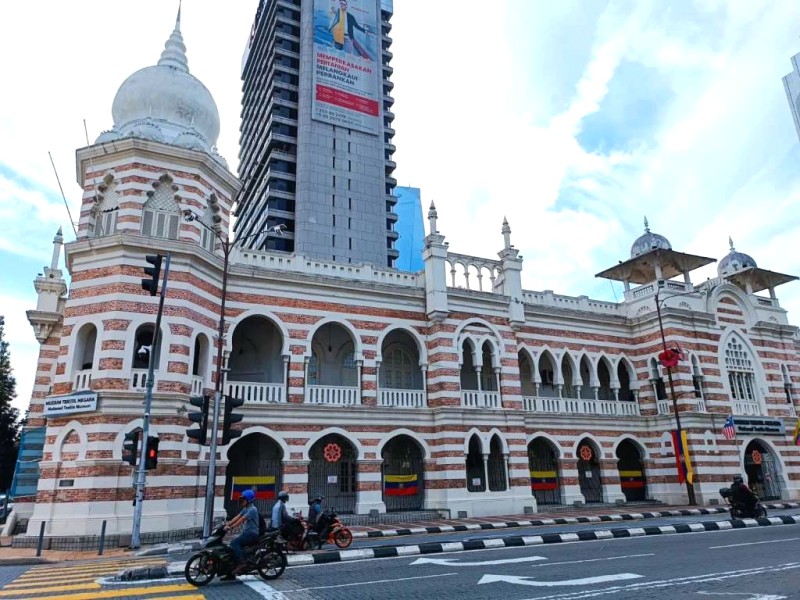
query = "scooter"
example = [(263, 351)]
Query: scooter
[(334, 531), (265, 557), (740, 510)]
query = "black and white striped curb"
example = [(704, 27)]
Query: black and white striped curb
[(559, 521), (532, 540)]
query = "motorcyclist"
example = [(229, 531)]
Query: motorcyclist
[(249, 534), (280, 516), (314, 510), (743, 494)]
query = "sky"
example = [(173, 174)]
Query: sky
[(572, 119)]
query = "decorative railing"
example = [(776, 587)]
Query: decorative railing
[(256, 393), (665, 406), (580, 406), (197, 385), (83, 380), (764, 301), (582, 303), (476, 399), (462, 267), (402, 398), (333, 395), (743, 407)]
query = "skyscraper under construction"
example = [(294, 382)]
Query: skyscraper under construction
[(316, 131)]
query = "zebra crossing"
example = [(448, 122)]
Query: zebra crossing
[(82, 581)]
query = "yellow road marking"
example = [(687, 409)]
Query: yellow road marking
[(58, 588), (128, 591), (21, 584), (83, 571), (90, 566)]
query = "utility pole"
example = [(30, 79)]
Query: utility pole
[(211, 478), (148, 399)]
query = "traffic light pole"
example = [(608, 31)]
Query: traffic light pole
[(211, 478), (148, 400)]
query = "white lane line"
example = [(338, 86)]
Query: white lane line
[(264, 590), (359, 583), (572, 562), (754, 543)]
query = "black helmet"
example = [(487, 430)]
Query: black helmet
[(283, 495), (738, 479)]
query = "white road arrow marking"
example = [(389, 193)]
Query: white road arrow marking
[(583, 581), (452, 562)]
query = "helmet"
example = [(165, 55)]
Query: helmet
[(283, 496), (248, 495), (738, 479)]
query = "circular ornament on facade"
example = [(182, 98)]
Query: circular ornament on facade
[(585, 452), (332, 453), (756, 456)]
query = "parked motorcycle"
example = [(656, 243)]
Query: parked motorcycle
[(265, 557), (740, 510), (333, 531)]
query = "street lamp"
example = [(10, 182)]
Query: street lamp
[(666, 353), (227, 246)]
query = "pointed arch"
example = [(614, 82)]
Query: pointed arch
[(422, 348), (743, 377), (79, 430), (258, 312), (457, 334), (423, 445)]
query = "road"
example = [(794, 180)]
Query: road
[(748, 564)]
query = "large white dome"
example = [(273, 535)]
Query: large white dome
[(166, 103)]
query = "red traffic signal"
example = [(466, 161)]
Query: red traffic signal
[(151, 460)]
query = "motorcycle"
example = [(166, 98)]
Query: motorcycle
[(265, 557), (740, 510), (296, 534), (334, 531)]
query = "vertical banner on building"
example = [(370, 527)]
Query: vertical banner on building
[(682, 459), (347, 64)]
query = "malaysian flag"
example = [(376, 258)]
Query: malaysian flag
[(729, 430)]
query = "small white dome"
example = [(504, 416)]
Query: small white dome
[(165, 102), (735, 261), (649, 241)]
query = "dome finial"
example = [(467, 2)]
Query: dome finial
[(646, 225), (730, 243), (174, 54)]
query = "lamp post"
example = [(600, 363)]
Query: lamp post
[(660, 285), (211, 477)]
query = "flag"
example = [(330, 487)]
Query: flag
[(263, 486), (729, 429), (629, 480), (544, 481), (400, 485), (682, 459), (797, 433)]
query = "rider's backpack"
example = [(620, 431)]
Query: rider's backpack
[(262, 524)]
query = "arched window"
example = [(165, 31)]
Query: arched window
[(787, 385), (161, 214), (397, 370), (488, 379), (657, 380), (741, 372), (496, 465), (143, 346), (697, 377), (105, 210)]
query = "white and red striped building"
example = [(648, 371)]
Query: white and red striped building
[(454, 384)]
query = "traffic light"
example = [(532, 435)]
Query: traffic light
[(151, 461), (130, 447), (227, 433), (200, 417), (151, 285)]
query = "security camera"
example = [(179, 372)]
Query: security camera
[(661, 283), (277, 229)]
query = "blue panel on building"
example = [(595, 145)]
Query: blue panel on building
[(410, 227), (26, 474)]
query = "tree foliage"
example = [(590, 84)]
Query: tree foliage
[(9, 416)]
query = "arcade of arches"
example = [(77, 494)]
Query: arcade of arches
[(257, 461)]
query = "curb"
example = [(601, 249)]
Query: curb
[(533, 540), (559, 521), (17, 562)]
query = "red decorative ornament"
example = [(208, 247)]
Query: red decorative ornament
[(332, 452), (585, 452), (670, 358), (756, 456)]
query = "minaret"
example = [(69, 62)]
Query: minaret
[(511, 279), (51, 287), (434, 255), (791, 84)]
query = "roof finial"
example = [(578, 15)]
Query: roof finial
[(432, 216), (174, 54), (730, 243), (646, 225), (506, 231)]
